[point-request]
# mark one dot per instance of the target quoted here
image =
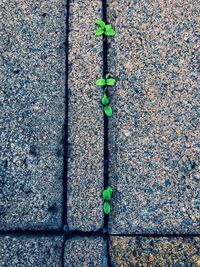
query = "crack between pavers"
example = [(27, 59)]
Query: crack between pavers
[(65, 140), (106, 139), (106, 152), (54, 232), (65, 137)]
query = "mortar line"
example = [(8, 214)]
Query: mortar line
[(106, 138), (106, 155), (58, 232), (65, 138)]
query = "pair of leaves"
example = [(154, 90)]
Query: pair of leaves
[(104, 82), (104, 28), (107, 81), (107, 194), (105, 102)]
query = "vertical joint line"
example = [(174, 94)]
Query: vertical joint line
[(106, 152), (105, 69), (65, 137)]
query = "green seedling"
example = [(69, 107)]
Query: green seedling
[(107, 193), (104, 28), (107, 81), (106, 207)]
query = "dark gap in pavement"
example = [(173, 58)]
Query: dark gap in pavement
[(58, 232), (106, 140), (65, 137), (105, 69), (102, 233)]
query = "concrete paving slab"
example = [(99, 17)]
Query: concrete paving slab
[(27, 251), (32, 94), (85, 251), (154, 252), (154, 132), (86, 126)]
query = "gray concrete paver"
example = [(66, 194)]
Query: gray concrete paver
[(85, 251), (155, 252), (86, 126), (154, 130), (29, 251), (32, 113)]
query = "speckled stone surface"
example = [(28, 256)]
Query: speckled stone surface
[(32, 95), (154, 252), (154, 136), (85, 251), (86, 136), (31, 251)]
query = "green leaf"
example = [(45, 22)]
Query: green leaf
[(105, 100), (106, 207), (101, 23), (100, 31), (108, 111), (106, 195), (109, 188), (110, 82), (109, 31), (101, 82)]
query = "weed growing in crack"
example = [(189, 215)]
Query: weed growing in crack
[(104, 28), (108, 81), (107, 195)]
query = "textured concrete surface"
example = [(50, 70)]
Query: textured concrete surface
[(86, 138), (31, 251), (85, 252), (154, 132), (154, 252), (32, 74)]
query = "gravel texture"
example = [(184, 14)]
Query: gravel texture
[(85, 252), (32, 93), (154, 252), (154, 132), (31, 251), (86, 127)]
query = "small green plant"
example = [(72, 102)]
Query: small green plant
[(104, 28), (107, 194), (108, 81)]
